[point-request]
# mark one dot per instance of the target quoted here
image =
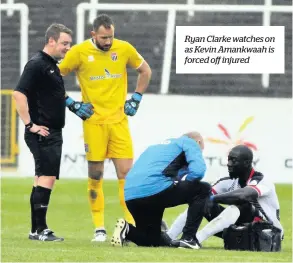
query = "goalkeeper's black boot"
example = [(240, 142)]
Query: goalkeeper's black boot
[(47, 235)]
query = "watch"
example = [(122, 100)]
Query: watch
[(29, 125)]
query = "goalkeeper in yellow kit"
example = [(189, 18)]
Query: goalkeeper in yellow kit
[(100, 65)]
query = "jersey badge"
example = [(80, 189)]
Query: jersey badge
[(114, 56)]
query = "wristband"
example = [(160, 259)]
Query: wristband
[(137, 96), (29, 125), (68, 101)]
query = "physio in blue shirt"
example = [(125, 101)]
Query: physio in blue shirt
[(153, 184)]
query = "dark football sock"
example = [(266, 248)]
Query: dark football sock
[(33, 216), (41, 201)]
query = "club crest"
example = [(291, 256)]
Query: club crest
[(114, 56)]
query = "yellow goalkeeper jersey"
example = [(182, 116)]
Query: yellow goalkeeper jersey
[(102, 76)]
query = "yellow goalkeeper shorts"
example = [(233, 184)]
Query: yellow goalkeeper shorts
[(105, 141)]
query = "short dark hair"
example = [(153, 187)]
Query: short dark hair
[(54, 31), (102, 20)]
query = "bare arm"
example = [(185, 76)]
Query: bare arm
[(23, 112), (22, 106), (144, 76)]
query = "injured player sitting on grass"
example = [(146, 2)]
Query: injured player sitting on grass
[(250, 196)]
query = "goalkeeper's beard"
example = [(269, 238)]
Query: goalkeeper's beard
[(103, 48)]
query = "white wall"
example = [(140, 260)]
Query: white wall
[(160, 117)]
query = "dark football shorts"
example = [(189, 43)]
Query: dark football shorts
[(46, 151)]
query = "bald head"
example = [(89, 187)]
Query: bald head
[(240, 162), (242, 152), (197, 137)]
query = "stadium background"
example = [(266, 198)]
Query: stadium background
[(146, 31)]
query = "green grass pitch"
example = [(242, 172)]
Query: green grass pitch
[(69, 216)]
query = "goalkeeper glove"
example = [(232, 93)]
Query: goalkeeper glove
[(131, 106), (82, 110)]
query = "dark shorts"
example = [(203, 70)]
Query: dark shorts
[(46, 151)]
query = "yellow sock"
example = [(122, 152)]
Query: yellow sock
[(127, 214), (96, 200)]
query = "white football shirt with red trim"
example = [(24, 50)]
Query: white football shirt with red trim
[(267, 202)]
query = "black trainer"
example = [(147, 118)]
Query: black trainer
[(33, 236), (47, 235), (189, 243)]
